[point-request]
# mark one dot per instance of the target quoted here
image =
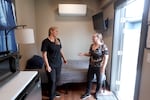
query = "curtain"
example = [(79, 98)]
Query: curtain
[(7, 21)]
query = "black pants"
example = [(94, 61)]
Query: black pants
[(53, 78), (99, 78)]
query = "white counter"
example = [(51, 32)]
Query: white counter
[(16, 85)]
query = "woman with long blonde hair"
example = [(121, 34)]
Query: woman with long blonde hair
[(98, 54)]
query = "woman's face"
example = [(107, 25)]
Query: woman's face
[(95, 39), (55, 32)]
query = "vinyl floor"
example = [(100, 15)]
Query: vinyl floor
[(74, 91)]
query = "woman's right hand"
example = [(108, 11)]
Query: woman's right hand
[(48, 69), (81, 54)]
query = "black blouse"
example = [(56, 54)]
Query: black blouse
[(96, 56)]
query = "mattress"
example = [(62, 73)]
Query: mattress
[(75, 71)]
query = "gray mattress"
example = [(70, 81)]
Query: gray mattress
[(75, 71)]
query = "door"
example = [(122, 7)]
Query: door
[(128, 18)]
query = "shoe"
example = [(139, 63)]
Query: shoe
[(84, 96), (57, 95), (96, 95)]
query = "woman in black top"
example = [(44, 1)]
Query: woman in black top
[(52, 54), (98, 54)]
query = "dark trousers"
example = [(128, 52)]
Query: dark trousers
[(53, 78), (99, 78)]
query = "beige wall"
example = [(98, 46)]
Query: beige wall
[(145, 80), (25, 12), (108, 34), (74, 32)]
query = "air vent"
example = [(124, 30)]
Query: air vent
[(72, 9)]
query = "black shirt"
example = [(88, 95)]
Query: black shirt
[(53, 52)]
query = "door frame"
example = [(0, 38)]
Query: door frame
[(142, 46)]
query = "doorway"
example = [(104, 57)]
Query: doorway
[(127, 30)]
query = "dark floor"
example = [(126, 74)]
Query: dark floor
[(64, 88), (74, 91)]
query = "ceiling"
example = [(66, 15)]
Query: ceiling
[(105, 3)]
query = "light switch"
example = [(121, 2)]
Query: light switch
[(148, 57)]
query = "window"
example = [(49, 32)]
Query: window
[(7, 21)]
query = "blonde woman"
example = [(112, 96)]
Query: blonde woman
[(98, 54), (52, 54)]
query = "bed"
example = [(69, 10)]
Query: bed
[(75, 71)]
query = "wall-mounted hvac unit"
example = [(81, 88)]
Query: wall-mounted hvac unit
[(72, 9)]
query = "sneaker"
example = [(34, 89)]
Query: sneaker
[(57, 95), (84, 96)]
